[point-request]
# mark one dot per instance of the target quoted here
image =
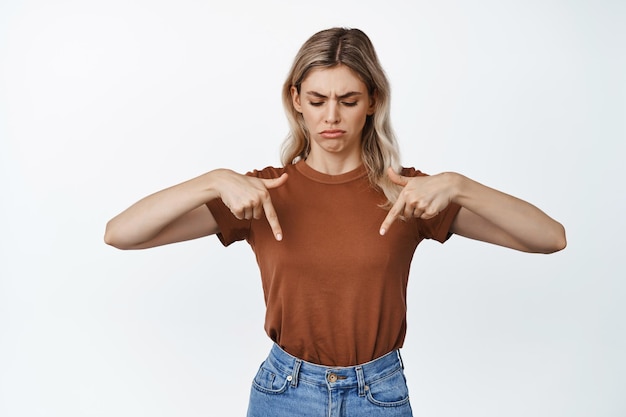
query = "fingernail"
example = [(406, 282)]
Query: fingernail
[(279, 236), (382, 232)]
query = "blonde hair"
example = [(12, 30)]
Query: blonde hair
[(352, 48)]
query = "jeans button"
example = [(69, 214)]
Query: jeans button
[(332, 377)]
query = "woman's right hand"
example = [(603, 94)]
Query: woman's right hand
[(248, 197), (179, 213)]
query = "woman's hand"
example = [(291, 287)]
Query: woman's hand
[(248, 197), (179, 213), (486, 214), (421, 197)]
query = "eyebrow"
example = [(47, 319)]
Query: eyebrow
[(341, 97)]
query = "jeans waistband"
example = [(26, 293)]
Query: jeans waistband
[(335, 376)]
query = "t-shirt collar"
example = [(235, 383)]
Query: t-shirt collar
[(317, 176)]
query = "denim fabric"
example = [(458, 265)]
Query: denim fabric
[(287, 386)]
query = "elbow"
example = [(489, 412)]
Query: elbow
[(555, 247), (112, 238), (557, 241), (109, 239), (562, 242)]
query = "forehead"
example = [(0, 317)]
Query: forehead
[(335, 79)]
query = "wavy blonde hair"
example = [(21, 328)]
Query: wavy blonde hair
[(352, 48)]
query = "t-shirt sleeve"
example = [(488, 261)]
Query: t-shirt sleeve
[(231, 228), (438, 227)]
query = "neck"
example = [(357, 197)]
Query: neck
[(333, 165)]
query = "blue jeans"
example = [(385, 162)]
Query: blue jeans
[(286, 386)]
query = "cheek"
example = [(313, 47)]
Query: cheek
[(361, 119), (309, 117)]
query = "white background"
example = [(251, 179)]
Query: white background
[(103, 102)]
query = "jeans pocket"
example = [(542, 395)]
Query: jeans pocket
[(270, 380), (390, 391)]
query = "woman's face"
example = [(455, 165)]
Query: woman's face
[(334, 103)]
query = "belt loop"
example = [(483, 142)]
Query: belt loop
[(400, 359), (295, 373), (361, 380)]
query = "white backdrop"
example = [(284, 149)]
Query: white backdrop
[(103, 102)]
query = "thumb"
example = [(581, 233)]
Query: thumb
[(275, 182), (396, 178)]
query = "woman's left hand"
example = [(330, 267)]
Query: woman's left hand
[(486, 214), (421, 197)]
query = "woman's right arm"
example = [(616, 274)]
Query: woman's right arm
[(179, 213)]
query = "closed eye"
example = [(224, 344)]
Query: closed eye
[(316, 103), (349, 103)]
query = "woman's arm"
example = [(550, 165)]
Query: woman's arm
[(486, 214), (495, 217), (179, 213)]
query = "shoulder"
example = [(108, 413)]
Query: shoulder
[(411, 172), (268, 172)]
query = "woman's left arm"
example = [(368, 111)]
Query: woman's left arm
[(492, 216), (486, 214)]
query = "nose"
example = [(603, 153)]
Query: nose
[(332, 113)]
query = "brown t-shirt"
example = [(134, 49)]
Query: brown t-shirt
[(335, 290)]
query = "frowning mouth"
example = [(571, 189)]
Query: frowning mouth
[(332, 133)]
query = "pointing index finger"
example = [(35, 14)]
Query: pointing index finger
[(272, 219), (398, 206), (268, 207), (393, 214)]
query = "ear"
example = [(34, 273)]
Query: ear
[(295, 99), (373, 99)]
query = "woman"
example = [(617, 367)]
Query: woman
[(334, 231)]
